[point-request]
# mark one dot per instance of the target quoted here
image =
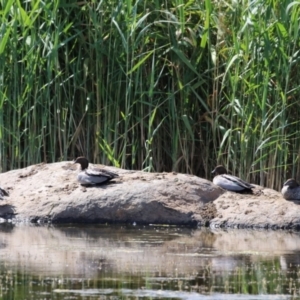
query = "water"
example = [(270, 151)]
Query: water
[(152, 262)]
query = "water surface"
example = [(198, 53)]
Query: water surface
[(148, 262)]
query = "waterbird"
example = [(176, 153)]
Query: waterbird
[(230, 182), (93, 176), (3, 193), (291, 190)]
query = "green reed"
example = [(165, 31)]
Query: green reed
[(257, 105), (158, 86)]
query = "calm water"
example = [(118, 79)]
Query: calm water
[(152, 262)]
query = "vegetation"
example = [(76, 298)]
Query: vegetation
[(160, 86)]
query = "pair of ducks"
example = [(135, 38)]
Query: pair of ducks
[(99, 176), (290, 190)]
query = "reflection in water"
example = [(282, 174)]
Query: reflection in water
[(92, 262)]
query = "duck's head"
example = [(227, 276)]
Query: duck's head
[(82, 161), (219, 170), (292, 183)]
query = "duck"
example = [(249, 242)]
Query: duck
[(95, 176), (230, 182), (291, 190), (3, 193)]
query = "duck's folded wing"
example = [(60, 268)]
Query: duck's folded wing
[(238, 181), (101, 173)]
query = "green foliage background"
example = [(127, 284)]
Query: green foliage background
[(160, 86)]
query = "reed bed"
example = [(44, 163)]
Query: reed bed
[(159, 86)]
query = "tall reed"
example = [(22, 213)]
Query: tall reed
[(256, 113), (158, 86)]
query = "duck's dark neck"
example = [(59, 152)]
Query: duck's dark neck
[(84, 165)]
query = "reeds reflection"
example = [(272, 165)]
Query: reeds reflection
[(120, 260)]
